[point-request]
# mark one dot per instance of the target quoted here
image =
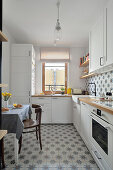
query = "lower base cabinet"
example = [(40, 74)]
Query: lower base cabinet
[(85, 123), (77, 116), (55, 109), (99, 158), (46, 113), (61, 110), (45, 102)]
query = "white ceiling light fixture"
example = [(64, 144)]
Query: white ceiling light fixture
[(58, 30)]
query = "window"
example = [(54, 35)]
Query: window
[(54, 77)]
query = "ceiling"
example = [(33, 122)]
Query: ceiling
[(33, 21)]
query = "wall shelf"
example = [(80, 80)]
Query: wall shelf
[(88, 75), (3, 38), (86, 63), (3, 85)]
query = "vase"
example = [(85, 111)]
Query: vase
[(6, 103)]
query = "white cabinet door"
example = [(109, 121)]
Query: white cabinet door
[(109, 57), (46, 113), (77, 117), (20, 77), (61, 110), (74, 114), (45, 102), (85, 123), (21, 59), (96, 46)]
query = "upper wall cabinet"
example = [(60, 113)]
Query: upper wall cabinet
[(96, 46), (109, 33), (22, 73), (101, 42)]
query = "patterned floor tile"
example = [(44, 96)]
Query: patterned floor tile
[(62, 149)]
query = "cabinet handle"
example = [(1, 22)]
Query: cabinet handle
[(41, 98), (29, 100), (29, 93), (29, 53), (101, 61), (54, 98), (95, 152), (74, 107), (83, 103)]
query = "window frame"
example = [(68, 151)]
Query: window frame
[(43, 80)]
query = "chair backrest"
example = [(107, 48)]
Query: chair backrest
[(38, 112), (35, 106)]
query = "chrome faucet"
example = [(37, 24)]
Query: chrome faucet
[(52, 91)]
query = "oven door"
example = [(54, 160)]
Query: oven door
[(102, 138)]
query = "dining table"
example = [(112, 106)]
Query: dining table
[(12, 121)]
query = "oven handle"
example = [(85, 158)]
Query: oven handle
[(95, 112), (109, 127)]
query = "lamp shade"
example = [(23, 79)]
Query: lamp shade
[(58, 34)]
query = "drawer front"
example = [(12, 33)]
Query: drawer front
[(41, 100)]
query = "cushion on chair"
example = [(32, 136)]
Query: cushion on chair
[(29, 123)]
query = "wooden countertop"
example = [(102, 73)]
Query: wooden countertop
[(90, 101), (2, 133), (38, 95)]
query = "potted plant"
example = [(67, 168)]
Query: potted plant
[(62, 90)]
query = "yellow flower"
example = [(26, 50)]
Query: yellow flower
[(6, 94)]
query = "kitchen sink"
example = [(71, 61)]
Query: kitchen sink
[(57, 95), (76, 97)]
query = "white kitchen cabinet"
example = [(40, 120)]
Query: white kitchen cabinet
[(85, 123), (74, 114), (77, 116), (61, 110), (45, 102), (96, 46), (55, 109), (101, 42), (22, 73), (109, 32)]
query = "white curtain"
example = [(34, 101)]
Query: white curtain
[(57, 53)]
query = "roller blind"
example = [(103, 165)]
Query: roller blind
[(54, 53)]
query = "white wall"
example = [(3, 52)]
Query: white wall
[(6, 54), (38, 76), (74, 71)]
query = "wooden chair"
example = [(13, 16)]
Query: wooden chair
[(30, 123), (2, 152)]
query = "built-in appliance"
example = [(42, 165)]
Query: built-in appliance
[(102, 138)]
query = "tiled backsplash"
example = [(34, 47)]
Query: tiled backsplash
[(104, 83)]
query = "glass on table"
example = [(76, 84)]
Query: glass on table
[(15, 104)]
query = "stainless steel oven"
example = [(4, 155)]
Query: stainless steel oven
[(102, 138), (100, 135)]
